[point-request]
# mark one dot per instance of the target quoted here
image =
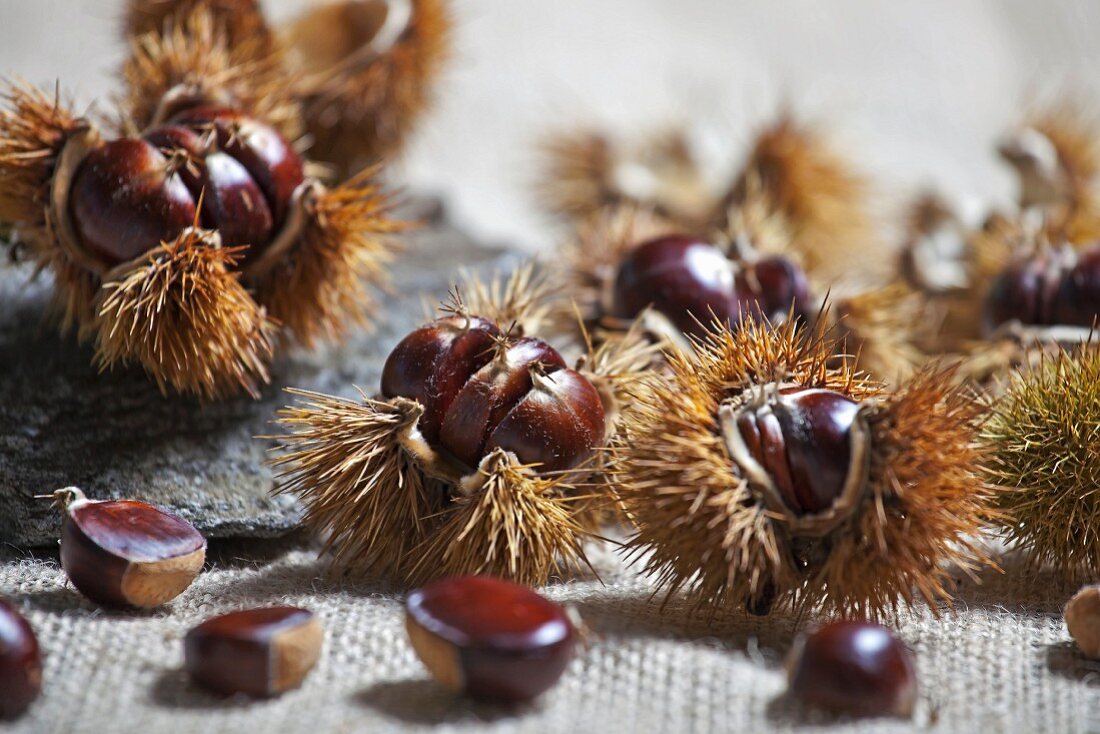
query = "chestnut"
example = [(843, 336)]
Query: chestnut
[(131, 194), (1083, 620), (20, 663), (489, 639), (127, 553), (258, 652), (693, 283), (802, 439), (853, 667), (1053, 287), (481, 390)]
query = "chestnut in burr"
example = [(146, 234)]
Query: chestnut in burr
[(489, 639), (20, 663), (126, 553), (258, 652), (852, 667)]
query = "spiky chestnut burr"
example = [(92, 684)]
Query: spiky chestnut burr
[(368, 72), (182, 249), (760, 473), (1040, 438), (587, 174), (472, 459)]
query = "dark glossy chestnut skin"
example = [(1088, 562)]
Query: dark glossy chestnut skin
[(693, 283), (20, 663), (1050, 288), (125, 553), (257, 652), (131, 194), (852, 667), (802, 438), (479, 396), (490, 639)]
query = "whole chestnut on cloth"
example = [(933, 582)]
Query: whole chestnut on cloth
[(472, 459), (185, 247), (258, 652), (20, 663), (853, 667), (760, 472), (126, 553), (489, 639)]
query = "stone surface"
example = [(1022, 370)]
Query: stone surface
[(114, 435)]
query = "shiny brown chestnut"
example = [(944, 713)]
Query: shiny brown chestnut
[(127, 553), (1053, 287), (258, 652), (692, 283), (801, 439), (481, 390), (20, 663), (131, 194), (852, 667), (489, 639)]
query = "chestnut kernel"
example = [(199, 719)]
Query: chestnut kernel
[(258, 652), (489, 639), (20, 663), (125, 552), (852, 667), (1083, 620)]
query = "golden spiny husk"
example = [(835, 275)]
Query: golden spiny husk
[(322, 285), (1042, 435), (520, 300), (586, 175), (198, 57), (389, 505), (243, 20), (820, 197), (182, 314), (515, 525), (361, 110), (700, 529), (362, 492), (881, 327)]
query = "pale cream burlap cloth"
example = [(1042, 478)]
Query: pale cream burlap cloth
[(1002, 662)]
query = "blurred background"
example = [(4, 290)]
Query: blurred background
[(918, 91)]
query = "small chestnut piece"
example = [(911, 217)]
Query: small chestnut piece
[(258, 652), (852, 667), (126, 552), (489, 639), (1083, 620), (20, 663)]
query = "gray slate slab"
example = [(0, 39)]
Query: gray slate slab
[(114, 435)]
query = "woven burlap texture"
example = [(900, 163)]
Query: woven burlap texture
[(1002, 662)]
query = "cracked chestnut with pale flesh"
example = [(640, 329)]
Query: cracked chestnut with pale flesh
[(489, 639), (482, 390), (257, 652), (20, 663), (853, 667), (126, 553)]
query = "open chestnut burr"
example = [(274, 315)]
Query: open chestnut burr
[(774, 240), (187, 246), (489, 639), (480, 455), (363, 71), (759, 473)]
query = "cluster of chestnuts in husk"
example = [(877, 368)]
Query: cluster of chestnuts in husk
[(187, 239)]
